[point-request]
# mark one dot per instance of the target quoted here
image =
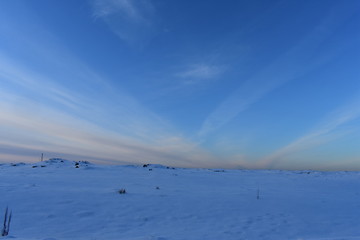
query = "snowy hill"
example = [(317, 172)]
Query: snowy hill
[(59, 199)]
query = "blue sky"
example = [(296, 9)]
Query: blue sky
[(231, 84)]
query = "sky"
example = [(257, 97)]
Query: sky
[(252, 84)]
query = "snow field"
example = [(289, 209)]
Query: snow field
[(58, 201)]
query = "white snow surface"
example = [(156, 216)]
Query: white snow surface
[(54, 200)]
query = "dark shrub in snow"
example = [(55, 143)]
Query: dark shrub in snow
[(122, 191), (6, 226)]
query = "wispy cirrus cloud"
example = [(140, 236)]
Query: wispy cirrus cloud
[(133, 21), (60, 106), (32, 128), (325, 132), (44, 117), (105, 8), (199, 72), (289, 66)]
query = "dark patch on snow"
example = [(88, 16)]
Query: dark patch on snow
[(122, 191), (17, 164), (158, 166)]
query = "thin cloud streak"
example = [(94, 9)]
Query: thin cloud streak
[(41, 86), (57, 132), (132, 121), (287, 67), (326, 132), (198, 72), (105, 8), (132, 21), (135, 119)]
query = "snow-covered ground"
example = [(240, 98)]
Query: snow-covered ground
[(56, 200)]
